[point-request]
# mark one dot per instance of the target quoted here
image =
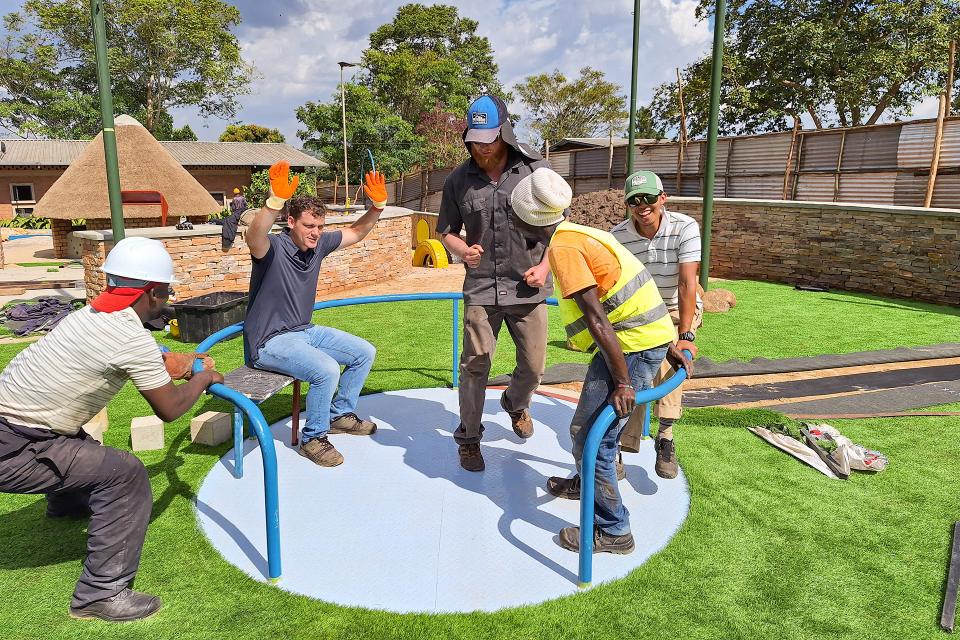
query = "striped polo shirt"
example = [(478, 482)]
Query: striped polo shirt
[(69, 375), (677, 240)]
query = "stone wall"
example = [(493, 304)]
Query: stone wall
[(909, 252), (203, 266)]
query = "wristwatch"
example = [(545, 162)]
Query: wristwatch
[(689, 336)]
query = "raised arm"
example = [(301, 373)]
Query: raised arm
[(281, 188), (375, 186)]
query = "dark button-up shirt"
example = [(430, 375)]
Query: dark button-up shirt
[(473, 201)]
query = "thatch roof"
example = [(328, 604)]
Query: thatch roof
[(81, 192)]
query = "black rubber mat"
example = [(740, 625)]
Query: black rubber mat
[(707, 368), (870, 381), (891, 400)]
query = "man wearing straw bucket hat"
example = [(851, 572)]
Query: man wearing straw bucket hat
[(62, 381), (610, 307)]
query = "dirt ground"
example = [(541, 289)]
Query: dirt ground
[(600, 209)]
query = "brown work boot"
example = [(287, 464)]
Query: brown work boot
[(352, 424), (666, 465), (522, 423), (602, 542), (320, 451), (569, 488), (470, 457)]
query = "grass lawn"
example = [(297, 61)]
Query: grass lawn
[(771, 548)]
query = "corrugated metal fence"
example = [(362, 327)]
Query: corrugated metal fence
[(881, 164)]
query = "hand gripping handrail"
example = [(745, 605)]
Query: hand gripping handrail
[(591, 448)]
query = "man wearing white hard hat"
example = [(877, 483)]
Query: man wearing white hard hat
[(610, 307), (58, 384)]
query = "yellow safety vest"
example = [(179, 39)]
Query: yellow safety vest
[(633, 305)]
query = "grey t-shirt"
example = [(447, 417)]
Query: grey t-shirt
[(283, 288), (471, 200)]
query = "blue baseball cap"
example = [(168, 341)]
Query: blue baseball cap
[(485, 116)]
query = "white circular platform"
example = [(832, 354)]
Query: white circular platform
[(401, 527)]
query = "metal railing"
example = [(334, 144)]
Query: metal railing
[(268, 451)]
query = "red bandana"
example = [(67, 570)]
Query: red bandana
[(118, 298)]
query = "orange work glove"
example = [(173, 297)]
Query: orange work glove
[(281, 188), (375, 186), (180, 365)]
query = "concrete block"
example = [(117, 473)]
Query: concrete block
[(97, 425), (146, 433), (211, 428)]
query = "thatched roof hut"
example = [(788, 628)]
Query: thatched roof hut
[(81, 192)]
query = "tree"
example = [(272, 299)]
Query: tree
[(251, 133), (582, 108), (645, 126), (442, 132), (429, 54), (163, 54), (837, 62), (163, 128), (370, 125)]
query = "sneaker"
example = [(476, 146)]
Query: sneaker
[(352, 424), (569, 488), (602, 542), (666, 465), (470, 457), (522, 423), (125, 606), (320, 451)]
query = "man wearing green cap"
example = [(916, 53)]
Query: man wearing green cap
[(668, 244)]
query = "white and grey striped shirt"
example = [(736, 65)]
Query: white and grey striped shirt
[(66, 378), (677, 240)]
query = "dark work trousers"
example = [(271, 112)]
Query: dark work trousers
[(527, 324), (77, 472)]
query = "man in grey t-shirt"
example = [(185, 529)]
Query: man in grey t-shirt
[(668, 245), (507, 278), (278, 333)]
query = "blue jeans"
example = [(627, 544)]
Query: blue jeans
[(609, 512), (315, 355)]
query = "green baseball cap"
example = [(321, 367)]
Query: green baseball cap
[(642, 182)]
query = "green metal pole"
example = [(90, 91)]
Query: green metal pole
[(633, 86), (710, 169), (106, 109)]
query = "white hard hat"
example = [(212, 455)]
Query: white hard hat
[(139, 258)]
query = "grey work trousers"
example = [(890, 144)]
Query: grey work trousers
[(77, 472), (527, 324)]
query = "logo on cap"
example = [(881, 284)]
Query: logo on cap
[(478, 118), (639, 180)]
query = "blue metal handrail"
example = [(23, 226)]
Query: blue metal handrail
[(591, 448), (269, 455)]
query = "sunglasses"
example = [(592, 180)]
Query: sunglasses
[(646, 198)]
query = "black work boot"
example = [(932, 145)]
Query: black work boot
[(125, 606), (666, 465)]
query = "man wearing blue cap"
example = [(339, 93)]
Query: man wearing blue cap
[(508, 274)]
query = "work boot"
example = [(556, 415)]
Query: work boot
[(470, 457), (125, 606), (522, 423), (320, 451), (602, 542), (350, 423), (666, 465), (569, 488)]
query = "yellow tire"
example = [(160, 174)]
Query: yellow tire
[(430, 253)]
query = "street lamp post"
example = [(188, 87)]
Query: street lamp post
[(343, 112)]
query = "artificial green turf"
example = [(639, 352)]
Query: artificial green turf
[(771, 548)]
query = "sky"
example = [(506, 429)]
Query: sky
[(295, 46)]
